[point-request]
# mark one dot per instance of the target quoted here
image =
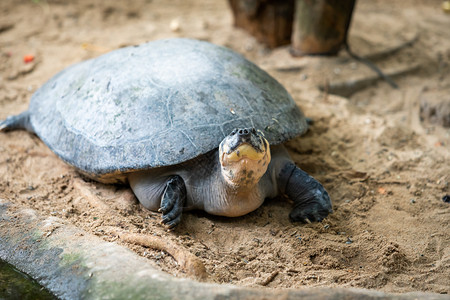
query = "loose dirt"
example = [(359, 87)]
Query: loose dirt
[(382, 153)]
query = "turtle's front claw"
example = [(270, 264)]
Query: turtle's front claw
[(173, 217), (314, 206), (311, 201), (171, 223), (172, 202)]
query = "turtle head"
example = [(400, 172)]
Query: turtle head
[(244, 157)]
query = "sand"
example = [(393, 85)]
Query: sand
[(383, 159)]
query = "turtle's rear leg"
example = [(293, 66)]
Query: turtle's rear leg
[(20, 121), (165, 194)]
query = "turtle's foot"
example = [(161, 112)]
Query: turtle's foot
[(313, 206), (172, 202), (311, 201)]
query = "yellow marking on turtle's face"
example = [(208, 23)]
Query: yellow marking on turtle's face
[(245, 165), (244, 151)]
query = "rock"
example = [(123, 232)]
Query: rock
[(74, 264), (435, 107)]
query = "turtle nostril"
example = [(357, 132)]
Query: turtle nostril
[(244, 132)]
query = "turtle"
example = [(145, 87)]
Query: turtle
[(186, 123)]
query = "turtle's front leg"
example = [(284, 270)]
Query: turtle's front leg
[(311, 200), (173, 201)]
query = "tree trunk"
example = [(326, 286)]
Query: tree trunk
[(320, 26), (269, 21)]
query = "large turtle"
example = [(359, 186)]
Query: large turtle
[(188, 124)]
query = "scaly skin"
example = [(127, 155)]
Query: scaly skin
[(219, 183), (231, 181)]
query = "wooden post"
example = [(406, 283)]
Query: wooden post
[(320, 26), (269, 21)]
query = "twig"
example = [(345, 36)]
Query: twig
[(393, 50), (348, 87), (188, 261), (93, 200), (269, 278), (389, 181), (370, 65)]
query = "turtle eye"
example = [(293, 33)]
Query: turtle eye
[(234, 131)]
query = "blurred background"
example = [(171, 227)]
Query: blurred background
[(382, 153)]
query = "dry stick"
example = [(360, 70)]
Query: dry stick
[(391, 51), (370, 65), (92, 199), (189, 262), (269, 278), (347, 88)]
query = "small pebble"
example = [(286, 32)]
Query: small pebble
[(412, 201), (28, 58), (446, 6), (349, 241), (175, 25), (205, 24), (446, 198), (249, 46)]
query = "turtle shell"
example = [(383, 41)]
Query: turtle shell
[(158, 104)]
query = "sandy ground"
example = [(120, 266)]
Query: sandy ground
[(385, 169)]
